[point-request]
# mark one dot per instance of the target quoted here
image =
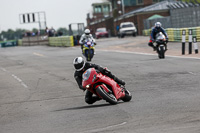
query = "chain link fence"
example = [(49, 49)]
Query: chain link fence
[(185, 17), (179, 18)]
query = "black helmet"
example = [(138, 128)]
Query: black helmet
[(79, 63)]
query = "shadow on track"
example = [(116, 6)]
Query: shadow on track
[(153, 59), (85, 107)]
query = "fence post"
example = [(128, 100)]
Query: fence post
[(195, 45), (183, 42), (190, 41)]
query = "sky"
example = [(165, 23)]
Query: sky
[(59, 13)]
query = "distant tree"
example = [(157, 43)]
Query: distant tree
[(62, 31), (9, 35), (12, 35), (34, 30), (192, 1), (19, 33)]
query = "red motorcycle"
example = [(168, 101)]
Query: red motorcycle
[(104, 87)]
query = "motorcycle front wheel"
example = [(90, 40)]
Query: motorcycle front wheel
[(106, 96), (162, 53)]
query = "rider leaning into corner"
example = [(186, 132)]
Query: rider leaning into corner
[(155, 30), (86, 36), (81, 66)]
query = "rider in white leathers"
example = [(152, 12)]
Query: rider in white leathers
[(86, 36)]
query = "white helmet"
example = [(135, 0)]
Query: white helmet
[(158, 24), (87, 31), (79, 63)]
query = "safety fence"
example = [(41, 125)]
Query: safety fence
[(175, 34)]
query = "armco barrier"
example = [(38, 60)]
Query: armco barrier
[(175, 34), (63, 41)]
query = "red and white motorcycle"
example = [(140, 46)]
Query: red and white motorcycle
[(104, 87)]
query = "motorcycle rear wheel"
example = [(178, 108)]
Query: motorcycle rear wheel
[(106, 96)]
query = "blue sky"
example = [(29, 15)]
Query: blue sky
[(59, 13)]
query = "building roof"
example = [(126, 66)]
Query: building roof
[(155, 7), (181, 4)]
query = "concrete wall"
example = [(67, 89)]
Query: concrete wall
[(35, 40), (65, 41)]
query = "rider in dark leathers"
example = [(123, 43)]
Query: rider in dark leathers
[(155, 30), (81, 66)]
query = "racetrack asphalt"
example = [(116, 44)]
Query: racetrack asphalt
[(38, 92)]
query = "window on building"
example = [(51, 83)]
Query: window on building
[(130, 2), (133, 2), (155, 1), (105, 8), (139, 2), (97, 9)]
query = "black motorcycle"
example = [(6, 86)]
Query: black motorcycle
[(161, 45)]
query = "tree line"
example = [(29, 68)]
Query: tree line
[(19, 33)]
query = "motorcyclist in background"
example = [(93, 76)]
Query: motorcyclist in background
[(86, 36), (155, 30), (81, 66)]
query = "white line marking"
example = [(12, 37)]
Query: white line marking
[(39, 54), (19, 80), (148, 54), (3, 69), (192, 73), (15, 77), (105, 128)]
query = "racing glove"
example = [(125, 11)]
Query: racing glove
[(106, 71), (103, 70)]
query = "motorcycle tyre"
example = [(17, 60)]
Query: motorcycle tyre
[(108, 97), (161, 53), (90, 55)]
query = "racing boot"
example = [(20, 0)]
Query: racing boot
[(154, 48), (91, 100), (82, 48), (119, 81), (151, 45), (166, 47)]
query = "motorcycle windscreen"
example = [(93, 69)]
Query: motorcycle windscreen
[(86, 75), (160, 36)]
